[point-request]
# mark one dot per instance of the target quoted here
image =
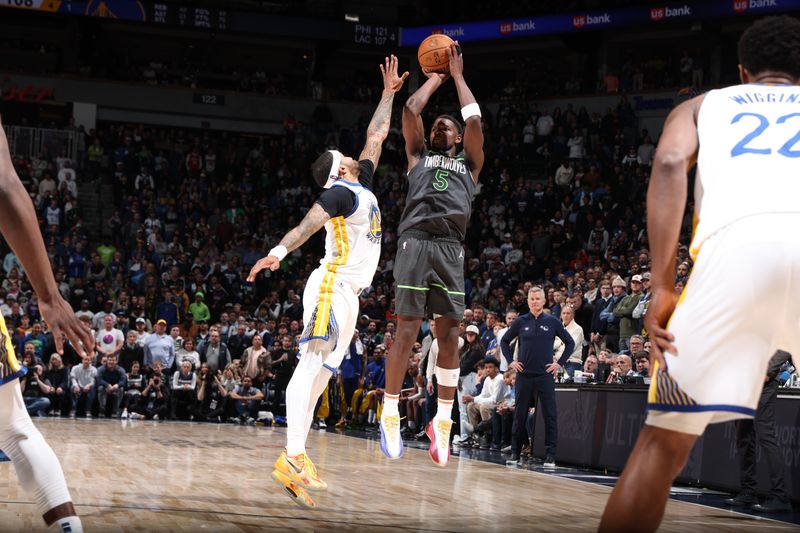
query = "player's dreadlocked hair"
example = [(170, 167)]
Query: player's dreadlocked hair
[(321, 168), (772, 43)]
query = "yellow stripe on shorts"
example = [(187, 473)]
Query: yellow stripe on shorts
[(323, 313)]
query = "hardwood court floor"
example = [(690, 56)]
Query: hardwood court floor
[(151, 476)]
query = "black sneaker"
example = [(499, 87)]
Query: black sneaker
[(743, 499), (513, 460), (484, 444), (549, 462), (495, 447), (773, 505)]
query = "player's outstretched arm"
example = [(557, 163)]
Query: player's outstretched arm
[(20, 228), (413, 129), (666, 202), (473, 132), (378, 127), (311, 223)]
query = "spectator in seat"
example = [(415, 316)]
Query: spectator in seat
[(187, 353), (111, 380), (351, 370), (503, 417), (109, 340), (214, 352), (131, 352), (481, 407), (636, 345), (575, 361), (212, 397), (621, 369), (604, 363), (184, 383), (590, 368), (628, 326), (612, 331), (246, 401), (134, 385), (642, 362), (199, 309), (155, 398), (35, 389), (82, 381), (58, 376), (159, 347)]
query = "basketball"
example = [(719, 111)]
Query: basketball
[(432, 53)]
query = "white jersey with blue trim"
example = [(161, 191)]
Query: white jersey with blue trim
[(353, 241), (749, 157)]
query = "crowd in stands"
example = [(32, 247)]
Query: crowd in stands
[(180, 334)]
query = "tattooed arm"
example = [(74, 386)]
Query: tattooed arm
[(294, 239), (378, 127)]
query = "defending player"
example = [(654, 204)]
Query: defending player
[(713, 344), (37, 467), (349, 211), (429, 268)]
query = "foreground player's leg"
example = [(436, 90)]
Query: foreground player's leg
[(447, 371), (37, 467), (396, 367), (293, 463), (640, 496)]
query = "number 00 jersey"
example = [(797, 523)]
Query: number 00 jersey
[(749, 158)]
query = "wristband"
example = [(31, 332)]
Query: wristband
[(279, 252), (470, 110)]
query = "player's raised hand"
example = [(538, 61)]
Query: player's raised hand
[(270, 261), (659, 311), (60, 320), (456, 60), (391, 80)]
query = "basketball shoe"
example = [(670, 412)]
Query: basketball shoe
[(438, 432), (298, 494), (391, 442), (300, 470)]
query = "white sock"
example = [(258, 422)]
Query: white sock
[(390, 404), (444, 409), (70, 524), (371, 416), (298, 399)]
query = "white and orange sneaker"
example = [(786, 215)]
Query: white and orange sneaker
[(438, 432)]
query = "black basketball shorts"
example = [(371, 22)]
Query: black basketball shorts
[(429, 276)]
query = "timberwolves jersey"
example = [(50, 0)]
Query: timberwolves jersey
[(10, 369), (439, 199), (749, 159), (353, 241)]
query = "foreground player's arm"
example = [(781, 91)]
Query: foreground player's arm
[(413, 129), (473, 132), (378, 127), (666, 203), (20, 228), (311, 223)]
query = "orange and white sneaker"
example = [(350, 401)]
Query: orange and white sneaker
[(300, 470), (438, 432), (298, 494)]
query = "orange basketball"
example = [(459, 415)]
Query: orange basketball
[(432, 53)]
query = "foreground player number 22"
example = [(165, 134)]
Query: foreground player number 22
[(785, 150)]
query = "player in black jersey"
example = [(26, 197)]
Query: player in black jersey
[(429, 268)]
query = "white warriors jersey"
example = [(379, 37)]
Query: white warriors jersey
[(353, 241), (749, 158)]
